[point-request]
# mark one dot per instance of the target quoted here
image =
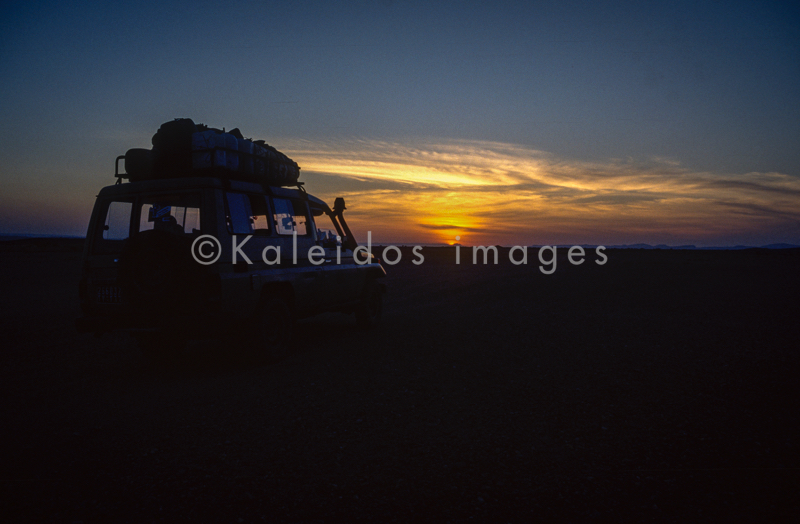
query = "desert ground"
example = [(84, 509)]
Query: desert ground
[(662, 386)]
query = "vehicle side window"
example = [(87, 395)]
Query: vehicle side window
[(259, 213), (118, 221), (178, 214), (290, 216), (238, 213), (247, 214)]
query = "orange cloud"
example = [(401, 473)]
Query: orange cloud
[(496, 193)]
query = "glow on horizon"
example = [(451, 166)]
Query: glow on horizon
[(496, 193), (430, 191)]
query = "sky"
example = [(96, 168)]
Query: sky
[(499, 122)]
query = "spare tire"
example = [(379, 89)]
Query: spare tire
[(158, 276), (172, 148)]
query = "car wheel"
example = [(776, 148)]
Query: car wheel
[(273, 330), (369, 311)]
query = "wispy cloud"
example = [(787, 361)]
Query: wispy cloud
[(495, 192), (448, 227)]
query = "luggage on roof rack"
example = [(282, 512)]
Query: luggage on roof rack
[(182, 148)]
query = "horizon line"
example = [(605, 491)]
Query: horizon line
[(6, 237)]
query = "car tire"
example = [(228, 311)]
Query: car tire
[(370, 310)]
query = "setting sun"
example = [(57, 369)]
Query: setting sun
[(493, 193)]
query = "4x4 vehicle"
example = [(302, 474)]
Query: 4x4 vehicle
[(169, 258)]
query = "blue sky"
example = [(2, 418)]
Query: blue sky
[(576, 122)]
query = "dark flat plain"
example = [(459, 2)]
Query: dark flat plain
[(662, 386)]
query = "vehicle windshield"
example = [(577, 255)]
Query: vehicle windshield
[(327, 235)]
